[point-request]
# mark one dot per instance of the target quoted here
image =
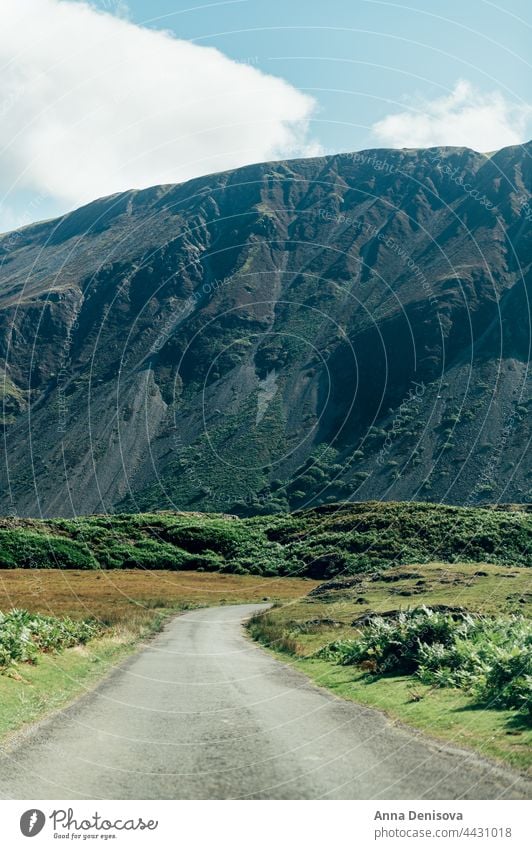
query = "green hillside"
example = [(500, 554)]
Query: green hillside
[(320, 543)]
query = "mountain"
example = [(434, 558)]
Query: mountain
[(348, 327)]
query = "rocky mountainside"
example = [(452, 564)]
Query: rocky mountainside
[(348, 327)]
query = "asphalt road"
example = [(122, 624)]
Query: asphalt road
[(202, 713)]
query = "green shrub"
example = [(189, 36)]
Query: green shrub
[(24, 635), (329, 540), (393, 645), (507, 680), (22, 548), (490, 658)]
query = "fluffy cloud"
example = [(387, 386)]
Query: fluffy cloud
[(91, 104), (466, 118)]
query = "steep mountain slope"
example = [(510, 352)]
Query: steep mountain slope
[(354, 326)]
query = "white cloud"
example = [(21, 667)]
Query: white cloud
[(91, 103), (466, 117)]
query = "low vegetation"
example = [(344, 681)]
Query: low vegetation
[(24, 635), (319, 543), (489, 658)]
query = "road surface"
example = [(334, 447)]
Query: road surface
[(203, 713)]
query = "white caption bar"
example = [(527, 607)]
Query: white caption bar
[(263, 824)]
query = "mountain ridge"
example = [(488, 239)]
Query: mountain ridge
[(274, 336)]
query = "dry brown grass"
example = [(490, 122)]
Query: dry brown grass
[(135, 603), (129, 598)]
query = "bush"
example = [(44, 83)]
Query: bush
[(24, 635), (22, 548), (490, 658), (394, 645), (329, 540), (507, 680)]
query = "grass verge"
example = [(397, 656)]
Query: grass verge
[(446, 715), (28, 693), (334, 611)]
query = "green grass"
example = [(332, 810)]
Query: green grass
[(317, 543), (297, 630), (54, 678), (488, 657), (27, 693), (327, 613), (447, 715)]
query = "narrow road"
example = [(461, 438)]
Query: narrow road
[(202, 713)]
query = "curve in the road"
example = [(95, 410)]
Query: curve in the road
[(203, 713)]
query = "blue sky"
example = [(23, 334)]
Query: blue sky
[(102, 96), (361, 59)]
